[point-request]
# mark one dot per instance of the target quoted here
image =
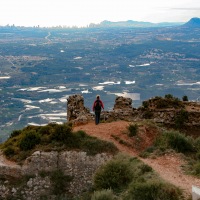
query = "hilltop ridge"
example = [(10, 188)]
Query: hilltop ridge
[(133, 24), (194, 22), (168, 110)]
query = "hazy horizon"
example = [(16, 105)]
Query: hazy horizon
[(83, 12)]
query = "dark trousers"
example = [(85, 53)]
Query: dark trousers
[(97, 117)]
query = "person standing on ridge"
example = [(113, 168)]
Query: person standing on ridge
[(97, 106)]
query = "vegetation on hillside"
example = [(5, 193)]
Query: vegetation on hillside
[(52, 137), (168, 101), (122, 178), (127, 178), (132, 130), (173, 140)]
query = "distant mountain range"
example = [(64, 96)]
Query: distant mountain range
[(194, 22)]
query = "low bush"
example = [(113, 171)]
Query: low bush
[(132, 130), (15, 133), (162, 103), (180, 118), (145, 168), (185, 98), (145, 104), (46, 130), (61, 133), (93, 146), (176, 141), (197, 144), (169, 96), (130, 179), (9, 152), (60, 182), (169, 101), (103, 195), (148, 114), (29, 140), (115, 175), (196, 169), (152, 190)]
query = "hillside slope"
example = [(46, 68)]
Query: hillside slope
[(167, 166)]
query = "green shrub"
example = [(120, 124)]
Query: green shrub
[(9, 151), (29, 140), (60, 182), (145, 168), (61, 132), (145, 104), (103, 195), (162, 103), (148, 114), (169, 96), (196, 169), (176, 103), (185, 98), (157, 97), (152, 190), (144, 154), (81, 134), (15, 133), (45, 130), (180, 143), (91, 145), (169, 102), (132, 129), (114, 175), (150, 149), (197, 144), (180, 118), (176, 141)]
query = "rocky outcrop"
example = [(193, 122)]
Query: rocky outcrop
[(122, 103), (77, 165), (76, 111)]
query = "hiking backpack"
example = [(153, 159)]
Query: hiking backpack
[(97, 105)]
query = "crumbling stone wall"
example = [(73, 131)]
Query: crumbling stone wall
[(123, 110), (80, 166), (76, 111)]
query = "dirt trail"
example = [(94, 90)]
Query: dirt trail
[(167, 166)]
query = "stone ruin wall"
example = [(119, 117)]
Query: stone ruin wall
[(123, 110), (80, 166)]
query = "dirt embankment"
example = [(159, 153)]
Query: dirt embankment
[(167, 166)]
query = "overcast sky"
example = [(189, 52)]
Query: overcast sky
[(84, 12)]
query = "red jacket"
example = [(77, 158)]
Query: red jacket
[(93, 108)]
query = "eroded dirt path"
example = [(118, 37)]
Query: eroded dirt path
[(167, 166)]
